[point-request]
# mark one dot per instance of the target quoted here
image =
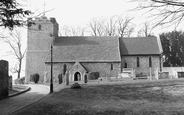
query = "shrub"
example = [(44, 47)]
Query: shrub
[(93, 75), (76, 86), (36, 77), (60, 78), (20, 80)]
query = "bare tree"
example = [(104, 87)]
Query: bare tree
[(96, 27), (166, 12), (78, 31), (64, 31), (130, 30), (15, 43), (145, 30), (111, 26), (125, 27), (72, 31)]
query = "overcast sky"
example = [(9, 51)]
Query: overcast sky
[(80, 12)]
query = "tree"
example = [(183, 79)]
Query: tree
[(72, 31), (145, 30), (125, 27), (11, 14), (96, 27), (165, 11), (15, 43), (173, 47), (110, 26)]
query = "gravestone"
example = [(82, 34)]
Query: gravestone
[(4, 79)]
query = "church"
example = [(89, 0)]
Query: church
[(105, 55)]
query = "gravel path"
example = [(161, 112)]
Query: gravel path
[(12, 104)]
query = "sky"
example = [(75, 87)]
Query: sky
[(78, 13)]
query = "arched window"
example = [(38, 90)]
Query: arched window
[(138, 63), (150, 62), (64, 69), (39, 27), (111, 66)]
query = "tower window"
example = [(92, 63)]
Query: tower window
[(39, 27), (138, 63), (150, 62)]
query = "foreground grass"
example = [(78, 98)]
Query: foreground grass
[(151, 98)]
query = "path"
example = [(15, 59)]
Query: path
[(13, 103)]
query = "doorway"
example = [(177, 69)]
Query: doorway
[(77, 76)]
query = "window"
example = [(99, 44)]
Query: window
[(39, 27), (150, 62), (111, 66), (125, 64), (138, 63), (64, 69)]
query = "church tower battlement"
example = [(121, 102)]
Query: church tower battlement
[(41, 31), (40, 34)]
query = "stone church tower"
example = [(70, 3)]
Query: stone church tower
[(39, 38)]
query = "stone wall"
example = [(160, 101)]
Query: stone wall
[(38, 45), (35, 63), (173, 71), (57, 69), (4, 77), (143, 64), (103, 68)]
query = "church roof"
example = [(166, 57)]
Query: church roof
[(86, 49), (140, 46)]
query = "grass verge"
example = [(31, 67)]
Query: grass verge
[(148, 98)]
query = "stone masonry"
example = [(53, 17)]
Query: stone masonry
[(143, 64), (40, 37), (103, 68)]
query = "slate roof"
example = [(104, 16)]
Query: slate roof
[(140, 46), (86, 49)]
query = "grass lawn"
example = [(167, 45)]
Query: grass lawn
[(150, 98)]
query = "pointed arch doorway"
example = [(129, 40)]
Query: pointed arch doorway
[(77, 76)]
